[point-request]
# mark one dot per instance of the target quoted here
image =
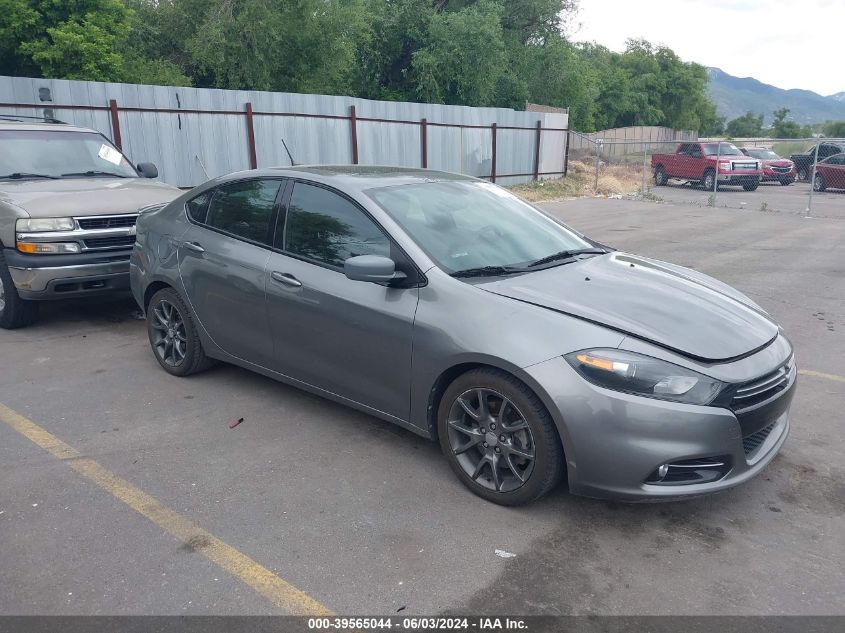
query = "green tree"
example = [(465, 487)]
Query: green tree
[(83, 39), (834, 129), (781, 128), (749, 125)]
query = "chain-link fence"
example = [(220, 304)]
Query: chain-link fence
[(805, 176)]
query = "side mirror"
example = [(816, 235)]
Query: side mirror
[(372, 268), (147, 170)]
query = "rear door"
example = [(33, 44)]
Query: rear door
[(836, 171), (222, 262), (350, 338)]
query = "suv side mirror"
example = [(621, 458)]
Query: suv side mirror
[(372, 268), (147, 170)]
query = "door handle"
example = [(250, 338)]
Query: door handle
[(285, 278), (193, 246)]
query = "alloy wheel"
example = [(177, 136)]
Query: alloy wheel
[(2, 295), (491, 440), (168, 333)]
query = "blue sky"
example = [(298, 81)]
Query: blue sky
[(786, 43)]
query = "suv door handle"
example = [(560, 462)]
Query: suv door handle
[(193, 246), (285, 278)]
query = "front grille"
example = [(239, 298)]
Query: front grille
[(756, 391), (781, 170), (108, 222), (752, 442), (738, 165), (110, 242)]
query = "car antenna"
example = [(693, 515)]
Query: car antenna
[(292, 163)]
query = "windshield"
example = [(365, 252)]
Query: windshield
[(763, 154), (468, 224), (722, 149), (60, 154)]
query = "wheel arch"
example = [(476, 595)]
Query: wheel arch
[(454, 371), (153, 288)]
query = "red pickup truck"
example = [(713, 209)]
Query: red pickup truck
[(703, 162)]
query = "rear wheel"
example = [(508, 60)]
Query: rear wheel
[(803, 173), (498, 437), (173, 335), (14, 311), (818, 183), (709, 180), (660, 178)]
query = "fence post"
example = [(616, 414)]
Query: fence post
[(599, 143), (566, 154), (716, 176), (250, 137), (424, 142), (813, 181), (353, 121), (537, 150), (115, 124), (645, 169), (493, 166)]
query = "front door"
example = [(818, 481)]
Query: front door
[(350, 338), (222, 263)]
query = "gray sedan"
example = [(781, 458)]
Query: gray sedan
[(452, 308)]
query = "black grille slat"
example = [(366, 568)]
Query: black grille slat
[(119, 222), (110, 242), (752, 442)]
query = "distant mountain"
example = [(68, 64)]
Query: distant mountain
[(734, 96)]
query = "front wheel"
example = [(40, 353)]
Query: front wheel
[(709, 180), (660, 178), (14, 311), (498, 437), (751, 186), (819, 184), (173, 335), (803, 174)]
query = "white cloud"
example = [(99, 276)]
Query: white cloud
[(786, 43)]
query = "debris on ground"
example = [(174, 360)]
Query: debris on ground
[(235, 423), (503, 554)]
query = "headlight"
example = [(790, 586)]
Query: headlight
[(44, 225), (644, 376), (48, 248)]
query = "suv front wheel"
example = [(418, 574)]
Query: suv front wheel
[(14, 311)]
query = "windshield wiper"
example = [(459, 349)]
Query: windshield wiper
[(566, 255), (95, 173), (22, 174), (488, 271)]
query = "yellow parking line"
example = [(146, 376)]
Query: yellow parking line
[(818, 374), (278, 591)]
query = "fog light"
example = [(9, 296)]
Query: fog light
[(661, 472)]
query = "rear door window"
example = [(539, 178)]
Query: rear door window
[(244, 209)]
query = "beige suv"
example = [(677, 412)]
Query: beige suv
[(69, 200)]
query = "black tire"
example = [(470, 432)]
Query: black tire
[(803, 174), (14, 311), (170, 321), (819, 184), (709, 180), (751, 186), (537, 438), (660, 178)]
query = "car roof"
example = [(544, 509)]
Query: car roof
[(353, 177), (11, 124)]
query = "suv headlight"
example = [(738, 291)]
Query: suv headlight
[(644, 376), (44, 225)]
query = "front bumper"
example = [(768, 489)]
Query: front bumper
[(615, 442), (739, 178), (40, 277)]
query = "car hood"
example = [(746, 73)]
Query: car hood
[(84, 196), (674, 307), (777, 162)]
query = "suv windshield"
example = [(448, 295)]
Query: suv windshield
[(722, 149), (468, 224), (60, 154)]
